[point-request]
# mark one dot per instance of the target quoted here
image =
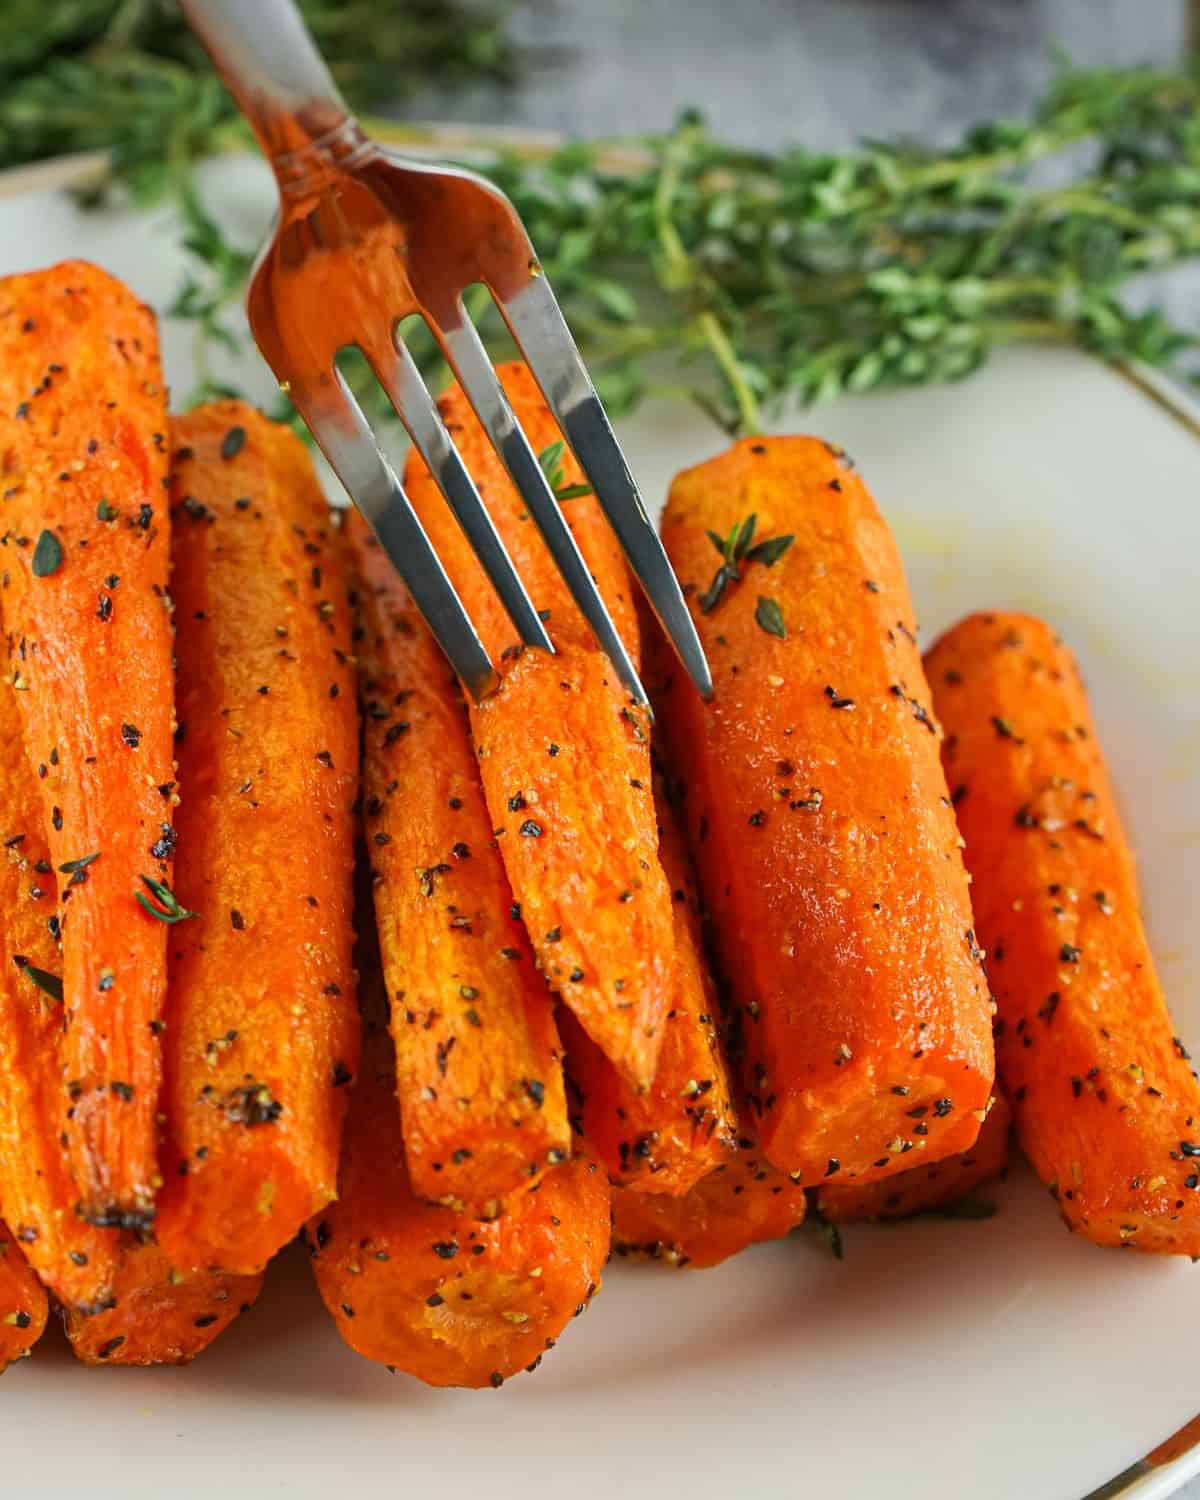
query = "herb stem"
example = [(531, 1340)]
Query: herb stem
[(736, 279), (749, 420), (681, 275), (679, 269)]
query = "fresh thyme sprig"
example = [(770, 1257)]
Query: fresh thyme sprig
[(162, 903), (551, 462), (825, 1232), (813, 274), (687, 267), (734, 550), (737, 279), (128, 76)]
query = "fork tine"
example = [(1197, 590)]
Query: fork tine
[(336, 421), (546, 345), (469, 360), (398, 374)]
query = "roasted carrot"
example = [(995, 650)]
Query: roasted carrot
[(24, 1305), (158, 1315), (1107, 1108), (479, 1070), (37, 1193), (817, 813), (262, 1033), (563, 753), (929, 1186), (665, 1138), (83, 437), (432, 1291), (741, 1203)]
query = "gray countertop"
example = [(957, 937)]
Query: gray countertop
[(824, 72)]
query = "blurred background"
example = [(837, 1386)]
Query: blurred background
[(1050, 147), (827, 72)]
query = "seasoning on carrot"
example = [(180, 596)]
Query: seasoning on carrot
[(929, 1186), (262, 1035), (24, 1305), (563, 753), (665, 1138), (479, 1066), (818, 818), (742, 1203), (37, 1194), (1106, 1103), (432, 1291), (83, 431), (158, 1315)]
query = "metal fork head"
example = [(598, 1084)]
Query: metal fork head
[(364, 241)]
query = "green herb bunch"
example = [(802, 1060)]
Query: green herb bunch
[(687, 267), (737, 278), (128, 76), (813, 274)]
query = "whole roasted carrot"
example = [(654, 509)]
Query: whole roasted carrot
[(37, 1193), (931, 1185), (1107, 1107), (432, 1291), (665, 1138), (83, 432), (818, 817), (262, 1035), (563, 753), (159, 1316), (479, 1070), (24, 1305), (742, 1203)]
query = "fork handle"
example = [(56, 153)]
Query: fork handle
[(269, 63)]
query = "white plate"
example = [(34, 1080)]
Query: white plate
[(993, 1359)]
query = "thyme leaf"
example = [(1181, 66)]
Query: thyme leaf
[(769, 617), (715, 592), (550, 460), (770, 551), (47, 555), (72, 866), (49, 984), (165, 905)]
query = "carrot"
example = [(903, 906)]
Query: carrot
[(665, 1138), (262, 1032), (158, 1315), (83, 434), (742, 1203), (432, 1291), (564, 755), (37, 1193), (818, 817), (1107, 1108), (24, 1306), (931, 1185), (479, 1068)]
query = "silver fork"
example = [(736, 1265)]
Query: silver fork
[(363, 240)]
